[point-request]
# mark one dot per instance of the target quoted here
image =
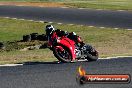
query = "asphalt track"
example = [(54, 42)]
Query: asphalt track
[(54, 75), (116, 19)]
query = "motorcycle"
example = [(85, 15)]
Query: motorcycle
[(66, 50)]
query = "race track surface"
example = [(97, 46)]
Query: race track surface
[(53, 75), (71, 16)]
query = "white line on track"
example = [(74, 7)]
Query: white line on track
[(41, 21), (21, 19), (101, 27), (30, 20), (59, 23), (70, 24), (6, 17), (128, 29), (82, 60), (120, 10), (50, 22), (90, 26), (6, 65), (14, 18), (116, 28), (115, 57)]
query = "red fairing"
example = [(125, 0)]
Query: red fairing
[(59, 47), (68, 43)]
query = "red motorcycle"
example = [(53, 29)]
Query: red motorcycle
[(66, 50)]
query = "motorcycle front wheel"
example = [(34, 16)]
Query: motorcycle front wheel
[(63, 56)]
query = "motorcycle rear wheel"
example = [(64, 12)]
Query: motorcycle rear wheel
[(93, 54), (92, 57)]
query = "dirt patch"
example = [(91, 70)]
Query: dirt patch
[(40, 4)]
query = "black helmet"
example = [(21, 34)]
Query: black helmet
[(49, 29)]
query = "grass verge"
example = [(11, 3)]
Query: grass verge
[(41, 4), (108, 41), (94, 4), (103, 4)]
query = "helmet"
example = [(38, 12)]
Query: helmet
[(49, 29)]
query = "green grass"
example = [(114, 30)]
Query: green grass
[(43, 55), (108, 41), (103, 4), (12, 31), (45, 0), (94, 4)]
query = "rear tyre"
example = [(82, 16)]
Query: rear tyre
[(63, 56), (91, 57), (92, 54)]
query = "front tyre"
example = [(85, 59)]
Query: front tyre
[(63, 56)]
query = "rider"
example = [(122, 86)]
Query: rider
[(53, 34), (73, 36)]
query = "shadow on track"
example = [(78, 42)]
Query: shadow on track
[(120, 60), (37, 63)]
